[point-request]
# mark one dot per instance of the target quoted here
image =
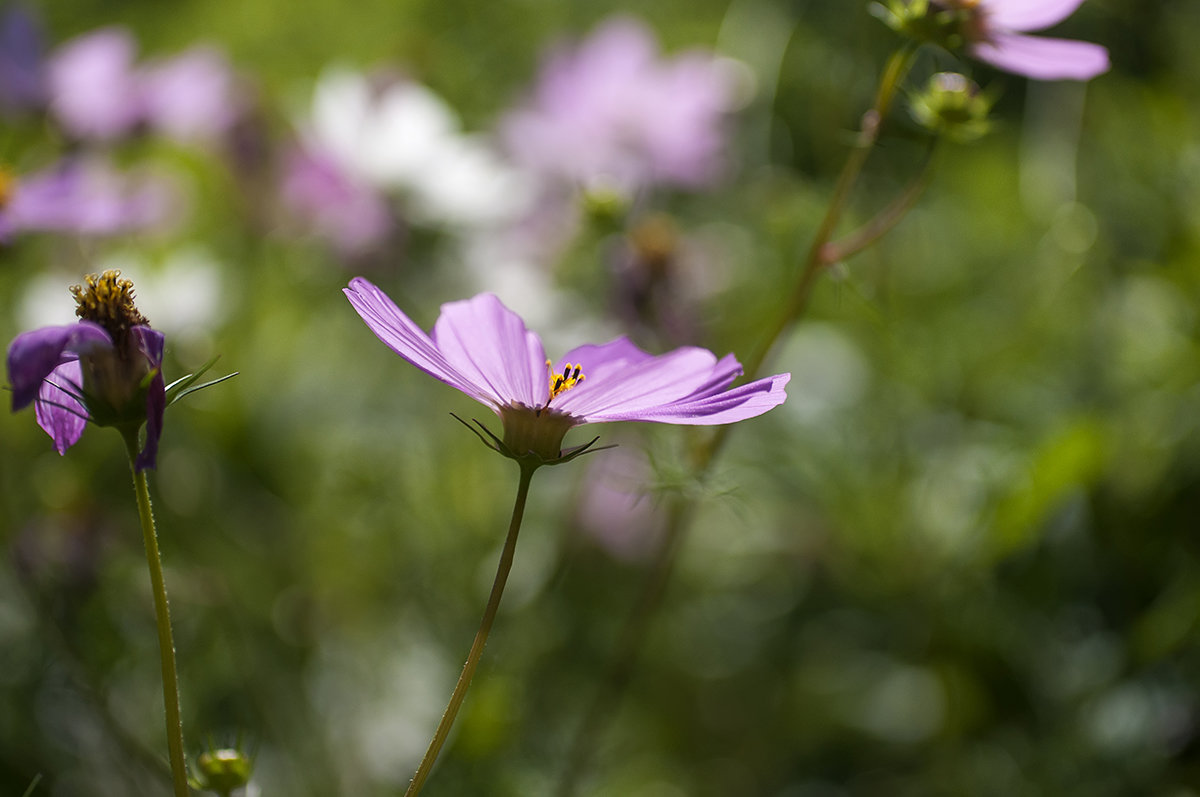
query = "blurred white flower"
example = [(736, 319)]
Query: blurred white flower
[(404, 139)]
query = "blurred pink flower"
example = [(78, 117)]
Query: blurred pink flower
[(333, 203), (611, 110), (88, 198), (97, 91), (190, 96), (93, 88)]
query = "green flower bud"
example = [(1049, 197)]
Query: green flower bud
[(222, 771), (952, 106)]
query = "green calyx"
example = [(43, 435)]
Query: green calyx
[(950, 24), (952, 106), (531, 439)]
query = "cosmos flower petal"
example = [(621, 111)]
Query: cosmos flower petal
[(634, 384), (1028, 14), (1043, 58), (33, 355), (58, 412), (738, 404), (489, 343), (404, 337)]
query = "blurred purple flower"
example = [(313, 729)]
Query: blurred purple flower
[(106, 368), (333, 203), (88, 198), (97, 91), (190, 96), (612, 111), (21, 71), (94, 92), (482, 348), (1000, 42)]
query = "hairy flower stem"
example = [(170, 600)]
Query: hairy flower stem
[(637, 626), (162, 613), (481, 636)]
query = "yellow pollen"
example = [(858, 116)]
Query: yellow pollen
[(560, 383), (108, 301)]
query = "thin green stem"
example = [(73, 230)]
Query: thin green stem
[(481, 636), (162, 613), (637, 626)]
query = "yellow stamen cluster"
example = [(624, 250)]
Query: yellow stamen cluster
[(571, 376), (108, 301)]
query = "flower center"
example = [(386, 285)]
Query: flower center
[(571, 376), (108, 301)]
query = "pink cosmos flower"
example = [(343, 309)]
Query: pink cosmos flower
[(999, 40), (483, 349), (612, 110)]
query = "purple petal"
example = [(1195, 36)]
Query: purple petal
[(1027, 14), (33, 355), (621, 380), (57, 411), (489, 344), (404, 337), (1043, 58), (746, 401), (151, 343)]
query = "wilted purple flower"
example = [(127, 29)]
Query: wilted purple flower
[(333, 203), (482, 348), (21, 71), (611, 110), (88, 198), (106, 368)]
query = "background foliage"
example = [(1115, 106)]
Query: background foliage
[(960, 560)]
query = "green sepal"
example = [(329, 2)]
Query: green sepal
[(185, 385), (529, 459)]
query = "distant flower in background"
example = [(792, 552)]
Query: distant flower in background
[(192, 96), (83, 196), (404, 140), (97, 91), (105, 368), (93, 90), (21, 72), (993, 31), (612, 111), (483, 349), (331, 202)]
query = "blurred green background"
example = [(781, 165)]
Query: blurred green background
[(962, 558)]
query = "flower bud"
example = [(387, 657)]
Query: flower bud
[(222, 770), (952, 106)]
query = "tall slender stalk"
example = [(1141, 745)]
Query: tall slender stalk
[(679, 517), (481, 636), (162, 614)]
